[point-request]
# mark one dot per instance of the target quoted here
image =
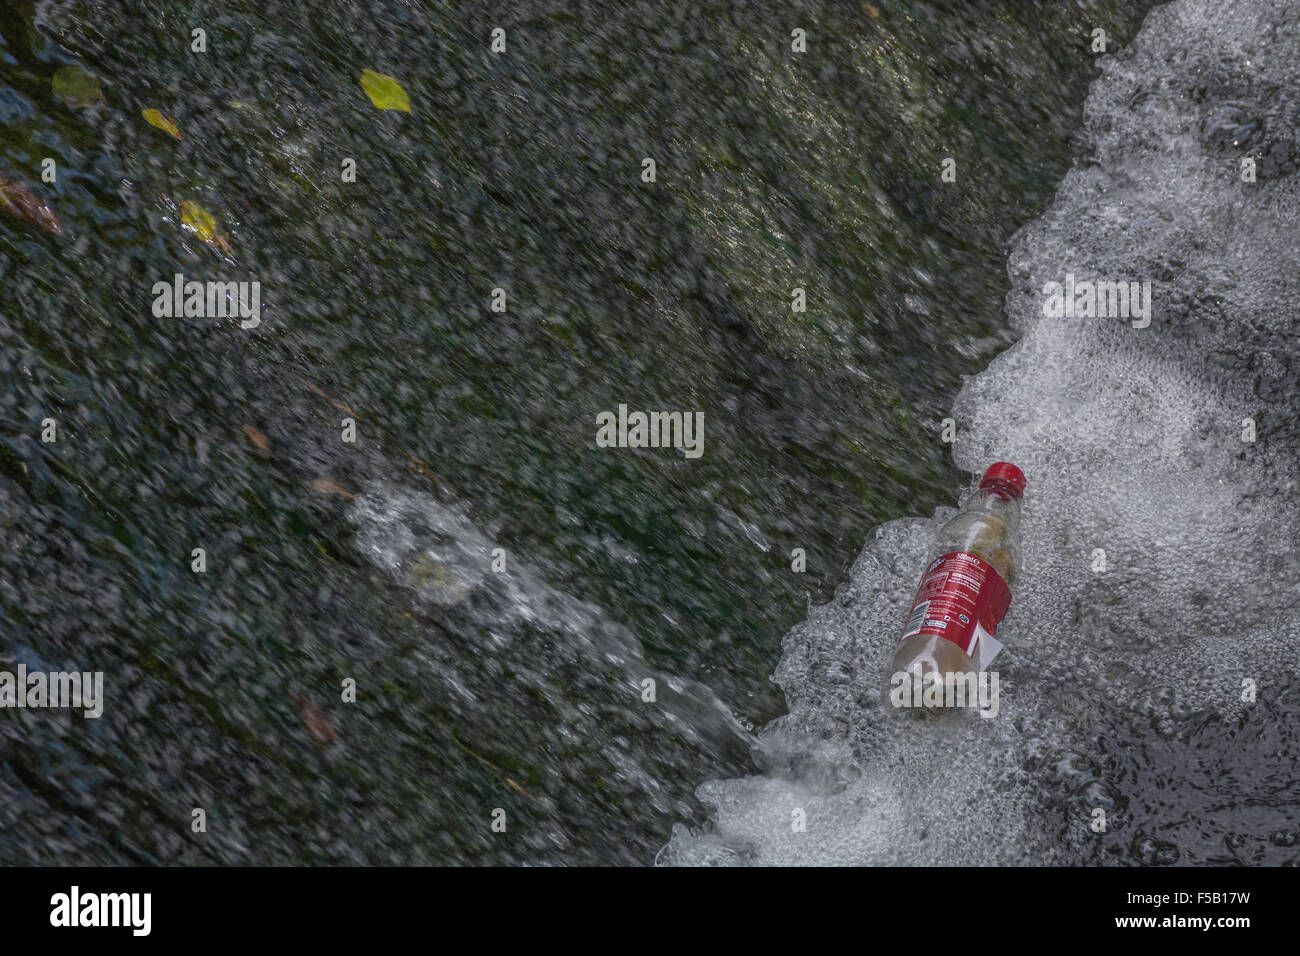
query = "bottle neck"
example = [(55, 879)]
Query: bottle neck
[(997, 501)]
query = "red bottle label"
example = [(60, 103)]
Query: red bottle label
[(962, 599)]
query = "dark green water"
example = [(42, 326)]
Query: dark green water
[(775, 170)]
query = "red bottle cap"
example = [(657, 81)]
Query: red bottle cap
[(1005, 477)]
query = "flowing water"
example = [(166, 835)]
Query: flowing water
[(514, 679), (1128, 682)]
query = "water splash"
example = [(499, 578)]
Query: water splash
[(437, 551)]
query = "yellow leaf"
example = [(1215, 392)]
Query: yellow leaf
[(384, 91), (162, 121), (201, 222)]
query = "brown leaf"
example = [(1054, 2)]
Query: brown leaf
[(317, 390), (422, 467), (327, 487), (257, 438), (318, 725), (20, 203)]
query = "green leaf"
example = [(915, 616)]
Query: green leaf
[(75, 87), (384, 91)]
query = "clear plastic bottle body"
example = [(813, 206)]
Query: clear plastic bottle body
[(989, 528)]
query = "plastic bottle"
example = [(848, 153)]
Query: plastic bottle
[(966, 588)]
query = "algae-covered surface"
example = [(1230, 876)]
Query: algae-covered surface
[(519, 687)]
